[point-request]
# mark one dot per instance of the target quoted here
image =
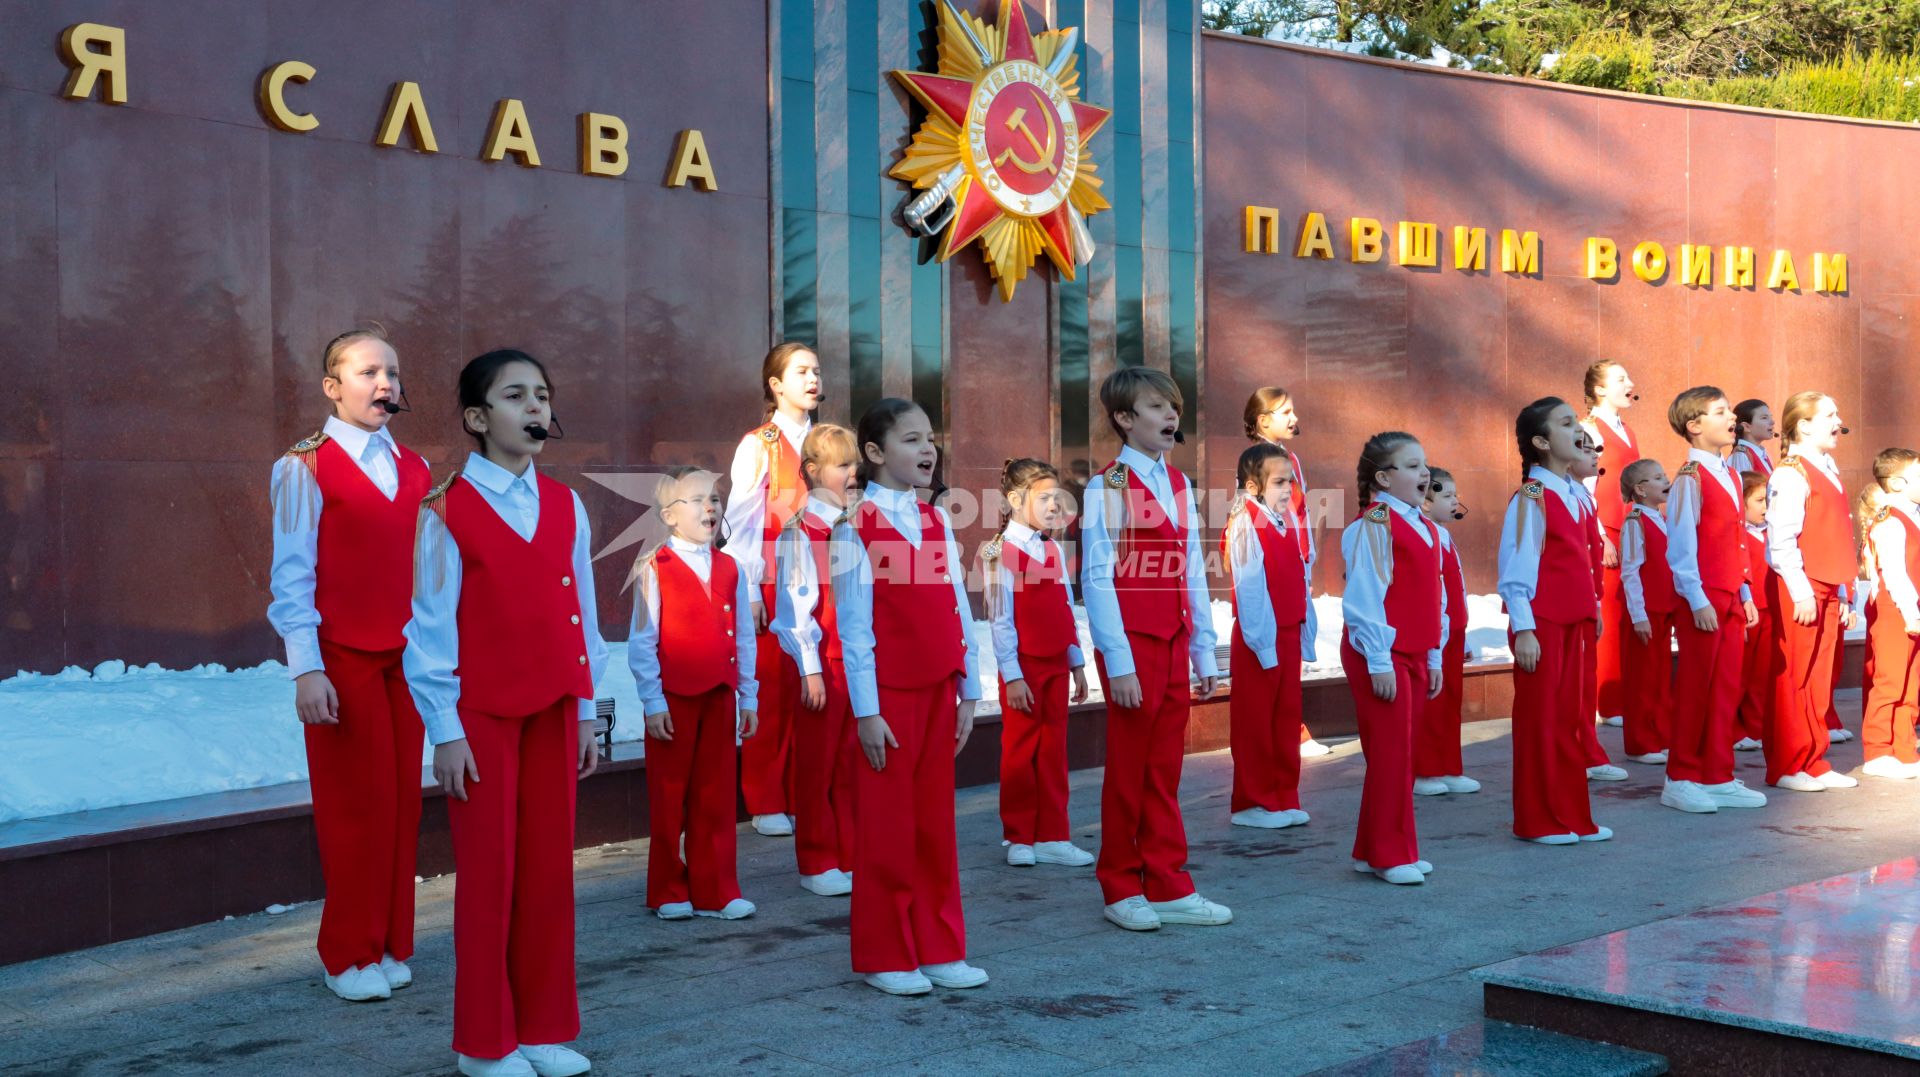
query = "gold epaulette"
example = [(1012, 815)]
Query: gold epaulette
[(769, 434), (1377, 513), (846, 516), (309, 443), (1795, 463), (1117, 475), (990, 551), (440, 490), (1881, 515), (1689, 470), (1533, 489), (1634, 512)]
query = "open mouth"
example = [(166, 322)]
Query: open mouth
[(924, 467), (1169, 431)]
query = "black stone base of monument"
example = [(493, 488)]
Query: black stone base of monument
[(1498, 1049)]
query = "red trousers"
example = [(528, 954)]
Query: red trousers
[(1892, 700), (1796, 742), (1436, 738), (1549, 755), (1143, 839), (365, 775), (1649, 713), (513, 887), (1839, 663), (1589, 696), (1386, 836), (1263, 716), (1706, 694), (690, 784), (824, 755), (1759, 672), (1611, 693), (906, 878), (766, 773), (1033, 757)]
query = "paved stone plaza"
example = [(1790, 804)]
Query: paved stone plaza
[(1321, 965)]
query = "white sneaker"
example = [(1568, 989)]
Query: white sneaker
[(1601, 834), (1838, 736), (1735, 794), (1402, 875), (1655, 758), (1133, 913), (1429, 787), (1299, 816), (675, 910), (1460, 783), (1064, 853), (1261, 818), (554, 1060), (1747, 744), (1365, 868), (395, 972), (830, 883), (1313, 749), (911, 982), (1801, 783), (1886, 766), (1833, 779), (1192, 909), (1688, 797), (1554, 839), (773, 826), (1606, 772), (737, 909), (1020, 856), (954, 974), (1614, 720), (363, 983), (511, 1066)]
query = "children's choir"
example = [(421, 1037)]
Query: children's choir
[(825, 667)]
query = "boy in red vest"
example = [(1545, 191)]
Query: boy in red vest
[(1647, 584), (1706, 551), (691, 650), (344, 505), (1145, 588)]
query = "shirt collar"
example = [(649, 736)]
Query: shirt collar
[(1713, 461), (893, 502), (822, 510), (1033, 542), (1406, 511), (1141, 462), (795, 429), (485, 472), (1818, 458), (1658, 516), (1618, 424), (1255, 504), (355, 440), (1547, 478), (1753, 448), (684, 548)]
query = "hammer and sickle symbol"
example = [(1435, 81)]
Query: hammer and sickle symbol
[(1018, 122)]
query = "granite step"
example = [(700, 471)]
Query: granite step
[(1498, 1049)]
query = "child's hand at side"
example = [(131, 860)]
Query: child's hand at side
[(314, 699), (1208, 686), (1384, 687), (749, 724), (589, 751), (660, 726), (1019, 696), (1643, 629), (963, 724), (1125, 691), (1079, 684), (813, 692), (1706, 620), (875, 738), (1752, 613), (1435, 680), (1526, 650), (453, 767)]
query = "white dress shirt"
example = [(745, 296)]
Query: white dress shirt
[(1683, 524), (1523, 536), (1747, 456), (1591, 424), (1253, 612), (432, 658), (1787, 496), (643, 636), (1889, 539), (1633, 558), (1006, 635), (1300, 484), (1369, 575), (853, 595), (797, 590), (747, 495), (296, 534), (1098, 541)]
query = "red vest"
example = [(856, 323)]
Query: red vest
[(1882, 598), (1042, 615), (917, 638), (1757, 567), (521, 646), (1596, 547), (819, 544), (1615, 454), (1757, 457), (1284, 568), (1826, 538), (1297, 500), (1563, 592), (1150, 566), (363, 585), (1721, 549), (786, 495), (1656, 576), (1413, 597), (1454, 582), (698, 652)]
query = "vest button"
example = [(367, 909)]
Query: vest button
[(576, 618), (583, 659), (729, 631), (732, 660), (566, 581), (725, 608)]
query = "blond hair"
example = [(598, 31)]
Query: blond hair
[(826, 444), (1798, 409), (336, 348)]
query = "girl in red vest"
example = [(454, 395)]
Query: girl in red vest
[(1756, 699), (1437, 765), (691, 650), (344, 504), (1609, 392), (1811, 538), (824, 754), (1395, 612), (1270, 417), (502, 655), (1586, 470), (1270, 607), (1651, 604), (1546, 580), (1893, 620), (1036, 644), (1753, 428), (765, 492), (906, 636)]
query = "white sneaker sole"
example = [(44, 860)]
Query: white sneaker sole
[(1131, 925), (1693, 809), (956, 985), (901, 991), (1058, 862)]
